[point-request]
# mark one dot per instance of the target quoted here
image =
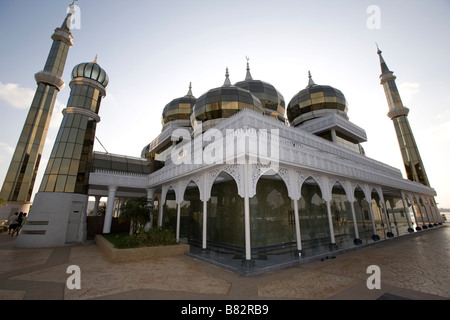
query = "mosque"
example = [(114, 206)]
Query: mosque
[(237, 173)]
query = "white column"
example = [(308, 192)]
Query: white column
[(330, 224), (205, 219), (415, 216), (178, 221), (297, 228), (375, 235), (109, 209), (160, 213), (248, 243), (96, 205), (410, 229), (357, 240), (150, 195), (388, 222)]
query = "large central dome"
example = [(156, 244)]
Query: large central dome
[(316, 101), (223, 102)]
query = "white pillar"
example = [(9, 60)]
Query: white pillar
[(375, 235), (109, 209), (330, 224), (248, 243), (205, 213), (297, 227), (160, 212), (357, 240), (178, 222), (388, 222), (410, 229), (415, 216), (150, 195), (96, 205), (205, 219)]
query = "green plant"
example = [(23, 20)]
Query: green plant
[(154, 237), (135, 211)]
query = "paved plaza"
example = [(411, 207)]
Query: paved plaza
[(414, 267)]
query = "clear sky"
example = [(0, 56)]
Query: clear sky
[(151, 50)]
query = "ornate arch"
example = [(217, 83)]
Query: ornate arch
[(234, 170), (258, 170)]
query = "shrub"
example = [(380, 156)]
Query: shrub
[(154, 237)]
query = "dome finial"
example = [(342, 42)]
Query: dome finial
[(248, 76), (311, 81), (95, 60), (227, 82), (189, 94)]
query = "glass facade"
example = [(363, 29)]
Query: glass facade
[(341, 214), (271, 215), (70, 161), (414, 168), (20, 178), (397, 214), (314, 227), (57, 57), (363, 219)]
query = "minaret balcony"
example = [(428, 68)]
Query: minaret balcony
[(396, 112), (49, 78)]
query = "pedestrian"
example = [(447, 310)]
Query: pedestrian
[(18, 224), (12, 222)]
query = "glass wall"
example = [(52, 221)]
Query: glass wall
[(363, 218), (314, 228), (225, 217), (341, 213), (271, 215), (170, 211), (191, 215)]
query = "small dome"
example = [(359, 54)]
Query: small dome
[(316, 101), (223, 102), (272, 100), (179, 109), (91, 70)]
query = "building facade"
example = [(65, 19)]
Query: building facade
[(237, 172)]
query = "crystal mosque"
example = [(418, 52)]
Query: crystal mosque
[(245, 177)]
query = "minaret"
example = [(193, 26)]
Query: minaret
[(58, 215), (398, 113), (20, 178)]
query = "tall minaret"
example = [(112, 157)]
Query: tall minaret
[(398, 113), (19, 181)]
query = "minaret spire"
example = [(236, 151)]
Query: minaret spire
[(398, 113)]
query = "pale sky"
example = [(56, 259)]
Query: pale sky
[(151, 50)]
